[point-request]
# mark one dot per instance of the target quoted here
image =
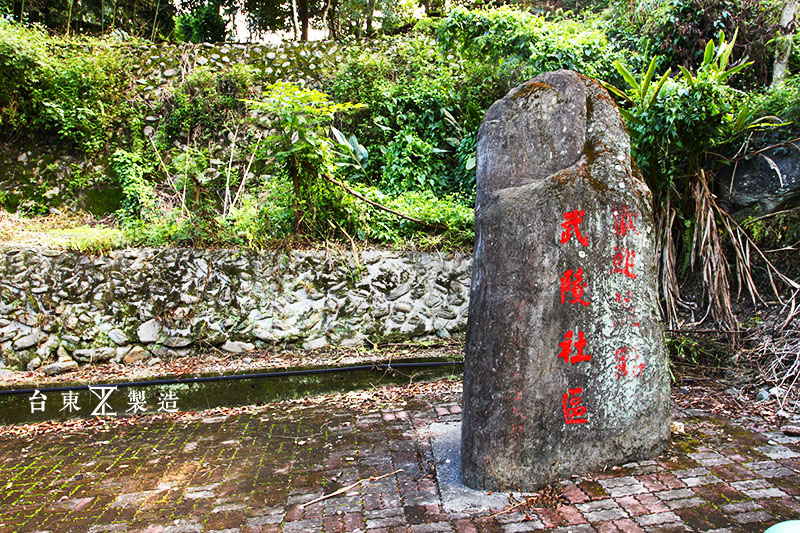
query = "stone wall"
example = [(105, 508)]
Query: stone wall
[(157, 67), (46, 171), (139, 303)]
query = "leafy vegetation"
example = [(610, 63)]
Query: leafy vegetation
[(58, 89), (380, 146), (202, 23), (151, 19)]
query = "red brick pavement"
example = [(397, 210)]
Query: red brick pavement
[(255, 471)]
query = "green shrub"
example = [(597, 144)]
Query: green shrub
[(681, 29), (364, 77), (420, 104), (24, 68), (301, 149), (779, 231), (413, 164), (263, 216), (782, 101), (380, 226), (203, 23), (542, 44), (83, 98), (89, 97), (138, 196), (675, 122), (205, 104), (494, 33)]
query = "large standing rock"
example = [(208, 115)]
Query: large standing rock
[(553, 389)]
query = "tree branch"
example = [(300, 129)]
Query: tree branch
[(379, 206)]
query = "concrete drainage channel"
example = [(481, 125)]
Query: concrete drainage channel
[(20, 405)]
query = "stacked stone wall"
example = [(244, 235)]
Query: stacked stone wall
[(140, 303)]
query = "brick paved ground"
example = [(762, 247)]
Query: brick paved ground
[(253, 470)]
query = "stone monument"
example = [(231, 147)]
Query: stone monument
[(566, 370)]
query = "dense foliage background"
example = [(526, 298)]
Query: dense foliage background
[(381, 146)]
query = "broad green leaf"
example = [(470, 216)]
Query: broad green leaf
[(647, 77), (725, 56), (657, 90), (625, 73), (616, 91), (742, 117), (339, 136), (687, 76), (734, 70), (470, 163), (757, 124), (362, 153), (709, 54), (450, 118), (630, 117)]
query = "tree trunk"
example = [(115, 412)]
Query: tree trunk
[(303, 12), (295, 25), (155, 22), (333, 20), (325, 17), (69, 16), (370, 13), (784, 43)]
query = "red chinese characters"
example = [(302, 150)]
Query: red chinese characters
[(626, 311), (572, 286), (627, 363), (623, 262), (623, 220), (572, 289), (626, 358), (567, 345), (574, 411), (572, 226), (518, 428)]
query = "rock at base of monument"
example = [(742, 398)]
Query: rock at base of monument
[(566, 370)]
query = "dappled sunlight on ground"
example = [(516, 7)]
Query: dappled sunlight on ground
[(256, 468)]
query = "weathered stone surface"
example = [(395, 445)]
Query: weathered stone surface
[(118, 337), (791, 430), (315, 344), (29, 165), (552, 146), (34, 363), (60, 367), (27, 341), (148, 332), (178, 342), (758, 188), (137, 353), (236, 347), (189, 299)]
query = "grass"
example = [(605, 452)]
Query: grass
[(71, 231)]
